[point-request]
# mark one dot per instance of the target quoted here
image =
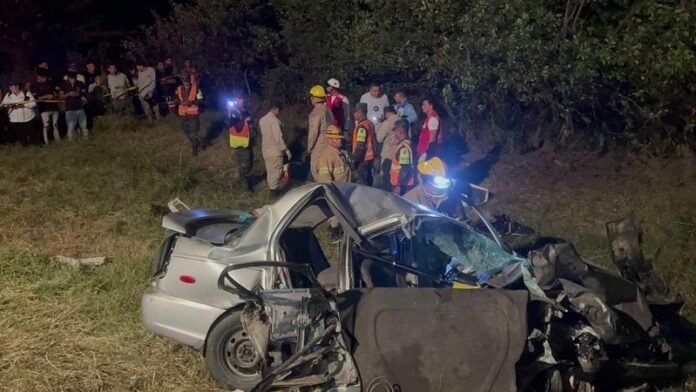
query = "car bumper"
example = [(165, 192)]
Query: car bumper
[(181, 320)]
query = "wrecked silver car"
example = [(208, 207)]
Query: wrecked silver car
[(412, 301)]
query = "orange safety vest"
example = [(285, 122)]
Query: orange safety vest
[(191, 109), (240, 138), (369, 139), (399, 160)]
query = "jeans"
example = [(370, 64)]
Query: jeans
[(73, 117), (150, 108), (50, 119), (363, 173), (191, 126)]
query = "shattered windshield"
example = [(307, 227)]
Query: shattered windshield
[(439, 242)]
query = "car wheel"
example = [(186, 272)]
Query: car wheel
[(230, 355)]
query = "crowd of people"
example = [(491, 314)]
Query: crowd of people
[(373, 142), (61, 103)]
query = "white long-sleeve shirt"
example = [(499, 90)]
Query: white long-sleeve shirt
[(22, 114), (146, 81), (272, 143)]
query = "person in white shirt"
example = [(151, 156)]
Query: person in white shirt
[(20, 107), (147, 81), (118, 88), (376, 102), (273, 147)]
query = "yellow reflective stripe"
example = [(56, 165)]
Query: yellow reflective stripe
[(339, 169), (238, 141)]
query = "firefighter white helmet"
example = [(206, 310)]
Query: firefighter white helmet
[(334, 83)]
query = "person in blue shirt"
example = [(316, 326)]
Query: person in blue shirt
[(406, 111)]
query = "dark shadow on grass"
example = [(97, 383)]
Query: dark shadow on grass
[(480, 170)]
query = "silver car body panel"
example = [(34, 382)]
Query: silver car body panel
[(185, 312)]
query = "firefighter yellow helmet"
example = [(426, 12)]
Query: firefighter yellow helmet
[(333, 132), (317, 91), (433, 167)]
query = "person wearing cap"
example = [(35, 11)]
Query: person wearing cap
[(20, 108), (48, 111), (273, 147), (73, 92), (363, 149), (319, 120), (434, 189), (401, 171), (338, 104), (332, 164), (241, 130)]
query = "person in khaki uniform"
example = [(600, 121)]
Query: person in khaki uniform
[(331, 164), (273, 147), (319, 120), (434, 189)]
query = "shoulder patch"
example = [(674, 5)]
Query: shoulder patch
[(362, 134), (404, 157)]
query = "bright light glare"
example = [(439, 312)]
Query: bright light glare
[(231, 103), (441, 182)]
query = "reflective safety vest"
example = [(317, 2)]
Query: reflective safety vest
[(240, 138), (365, 132), (402, 157), (191, 109)]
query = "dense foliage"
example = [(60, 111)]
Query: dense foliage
[(620, 68)]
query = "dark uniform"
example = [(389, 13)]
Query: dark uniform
[(241, 131)]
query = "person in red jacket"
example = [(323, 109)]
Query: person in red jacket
[(338, 104), (431, 132)]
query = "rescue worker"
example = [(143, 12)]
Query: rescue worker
[(434, 189), (273, 147), (363, 149), (332, 164), (188, 95), (241, 130), (401, 173), (319, 120), (386, 145), (338, 104), (431, 132)]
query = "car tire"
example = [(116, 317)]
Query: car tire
[(231, 356)]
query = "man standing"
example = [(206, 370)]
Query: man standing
[(401, 173), (376, 102), (189, 94), (386, 145), (405, 110), (91, 74), (73, 92), (273, 147), (147, 79), (338, 104), (431, 132), (168, 83), (319, 120), (20, 108), (363, 148), (48, 110), (240, 129), (118, 87)]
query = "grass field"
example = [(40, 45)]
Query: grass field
[(65, 329)]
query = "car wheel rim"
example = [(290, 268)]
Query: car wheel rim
[(240, 355)]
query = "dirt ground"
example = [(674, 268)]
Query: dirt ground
[(65, 329)]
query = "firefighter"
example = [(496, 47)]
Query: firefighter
[(319, 120), (332, 164), (401, 172), (363, 149), (434, 190), (188, 95), (240, 128)]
